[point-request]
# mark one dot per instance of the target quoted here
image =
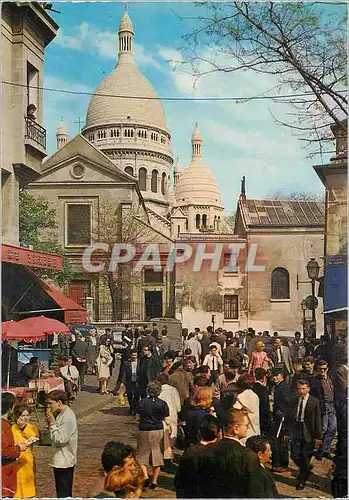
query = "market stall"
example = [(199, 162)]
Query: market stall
[(31, 330)]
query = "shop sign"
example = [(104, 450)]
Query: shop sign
[(31, 258)]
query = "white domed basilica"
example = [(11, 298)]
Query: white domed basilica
[(126, 121)]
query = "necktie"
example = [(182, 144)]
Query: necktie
[(300, 411), (68, 373), (279, 354), (213, 363)]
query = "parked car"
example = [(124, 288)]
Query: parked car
[(83, 328)]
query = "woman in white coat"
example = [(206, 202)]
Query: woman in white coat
[(104, 360), (170, 395), (249, 401)]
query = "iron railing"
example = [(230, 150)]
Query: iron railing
[(35, 132), (131, 312)]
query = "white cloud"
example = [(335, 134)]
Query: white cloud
[(86, 37)]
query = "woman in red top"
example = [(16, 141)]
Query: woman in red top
[(259, 358), (9, 451)]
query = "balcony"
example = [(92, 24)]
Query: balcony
[(35, 132)]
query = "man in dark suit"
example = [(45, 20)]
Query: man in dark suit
[(146, 340), (129, 377), (282, 399), (303, 422), (321, 387), (186, 479), (261, 447), (259, 388), (227, 469), (281, 356), (306, 372), (148, 369)]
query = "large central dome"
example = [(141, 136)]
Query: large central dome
[(125, 95), (125, 81)]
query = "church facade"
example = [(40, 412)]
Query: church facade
[(122, 163)]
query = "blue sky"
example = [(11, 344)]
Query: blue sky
[(239, 139)]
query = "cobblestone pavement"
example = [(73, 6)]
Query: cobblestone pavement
[(113, 423)]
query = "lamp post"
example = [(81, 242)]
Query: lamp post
[(313, 269), (304, 308), (213, 321)]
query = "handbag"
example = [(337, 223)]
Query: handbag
[(181, 442), (44, 437)]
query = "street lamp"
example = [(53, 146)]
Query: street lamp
[(213, 321), (304, 308), (313, 269)]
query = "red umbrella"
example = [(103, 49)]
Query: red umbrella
[(44, 324), (14, 330)]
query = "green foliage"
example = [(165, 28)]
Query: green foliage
[(36, 215)]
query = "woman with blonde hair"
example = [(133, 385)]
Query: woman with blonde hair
[(259, 358), (122, 476), (23, 431), (200, 406)]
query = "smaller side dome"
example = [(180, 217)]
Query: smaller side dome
[(178, 167), (61, 134)]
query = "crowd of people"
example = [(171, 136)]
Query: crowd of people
[(233, 403)]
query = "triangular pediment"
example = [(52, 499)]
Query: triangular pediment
[(178, 214), (63, 165)]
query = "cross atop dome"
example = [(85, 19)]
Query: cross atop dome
[(196, 142), (126, 35)]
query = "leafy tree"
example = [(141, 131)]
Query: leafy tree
[(116, 227), (296, 195), (302, 44), (228, 223), (37, 219)]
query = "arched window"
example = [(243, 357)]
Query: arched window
[(197, 221), (154, 181), (204, 220), (280, 283), (178, 231), (142, 179), (163, 183), (129, 170)]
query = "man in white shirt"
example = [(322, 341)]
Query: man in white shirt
[(70, 376), (214, 362), (64, 436)]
